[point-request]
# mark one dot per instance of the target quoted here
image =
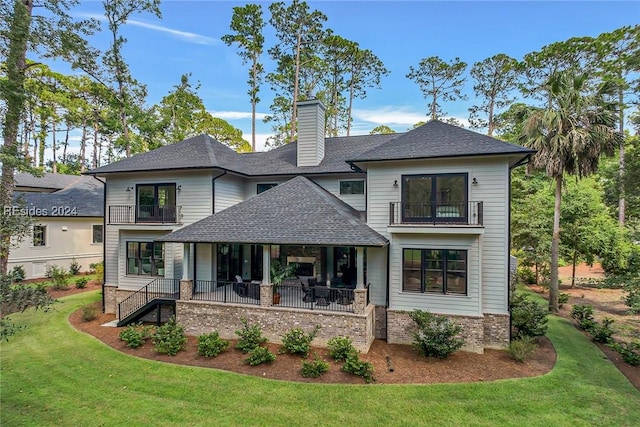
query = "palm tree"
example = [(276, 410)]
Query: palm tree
[(569, 136)]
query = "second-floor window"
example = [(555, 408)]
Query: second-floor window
[(440, 198), (156, 203), (261, 188), (145, 258), (351, 187)]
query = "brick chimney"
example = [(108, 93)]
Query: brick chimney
[(310, 132)]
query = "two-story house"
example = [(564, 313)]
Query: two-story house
[(68, 225), (375, 225)]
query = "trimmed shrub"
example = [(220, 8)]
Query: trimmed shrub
[(250, 337), (297, 341), (563, 299), (340, 347), (135, 335), (630, 352), (89, 312), (355, 366), (522, 348), (18, 274), (631, 296), (260, 355), (81, 282), (601, 331), (436, 336), (211, 345), (59, 278), (314, 368), (97, 269), (528, 318), (583, 314), (526, 276), (74, 267), (169, 338)]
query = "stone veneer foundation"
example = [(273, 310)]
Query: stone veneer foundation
[(366, 324), (200, 317), (488, 331)]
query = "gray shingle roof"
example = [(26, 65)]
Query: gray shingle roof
[(84, 197), (49, 181), (200, 151), (436, 139), (205, 152), (295, 212)]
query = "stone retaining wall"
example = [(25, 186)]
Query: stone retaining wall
[(200, 317), (488, 331)]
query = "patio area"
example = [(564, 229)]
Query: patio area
[(292, 295)]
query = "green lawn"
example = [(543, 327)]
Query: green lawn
[(51, 374)]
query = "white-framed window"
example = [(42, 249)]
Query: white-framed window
[(39, 235), (97, 233)]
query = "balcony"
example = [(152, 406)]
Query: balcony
[(436, 214), (140, 214)]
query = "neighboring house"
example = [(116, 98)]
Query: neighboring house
[(383, 224), (68, 226)]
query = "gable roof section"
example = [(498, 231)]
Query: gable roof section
[(84, 197), (436, 139), (297, 212)]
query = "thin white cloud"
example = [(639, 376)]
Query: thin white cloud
[(390, 116), (261, 140), (188, 36), (236, 115), (398, 117)]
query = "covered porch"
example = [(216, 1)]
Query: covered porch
[(228, 259)]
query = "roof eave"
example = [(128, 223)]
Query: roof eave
[(454, 156)]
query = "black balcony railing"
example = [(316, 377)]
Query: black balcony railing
[(458, 213), (226, 292), (135, 214)]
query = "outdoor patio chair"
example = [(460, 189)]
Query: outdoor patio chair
[(253, 290), (322, 295), (239, 287), (308, 293)]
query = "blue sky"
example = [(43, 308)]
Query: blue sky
[(400, 33)]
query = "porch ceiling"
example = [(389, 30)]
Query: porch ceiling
[(295, 212)]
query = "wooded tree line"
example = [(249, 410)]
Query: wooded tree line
[(570, 100)]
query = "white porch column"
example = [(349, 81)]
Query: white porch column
[(360, 267), (186, 252), (214, 262), (266, 263)]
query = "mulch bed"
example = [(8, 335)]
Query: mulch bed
[(393, 363)]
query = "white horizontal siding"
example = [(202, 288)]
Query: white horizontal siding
[(204, 261), (194, 195), (469, 305), (491, 189), (377, 275), (134, 282), (229, 191), (332, 185)]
